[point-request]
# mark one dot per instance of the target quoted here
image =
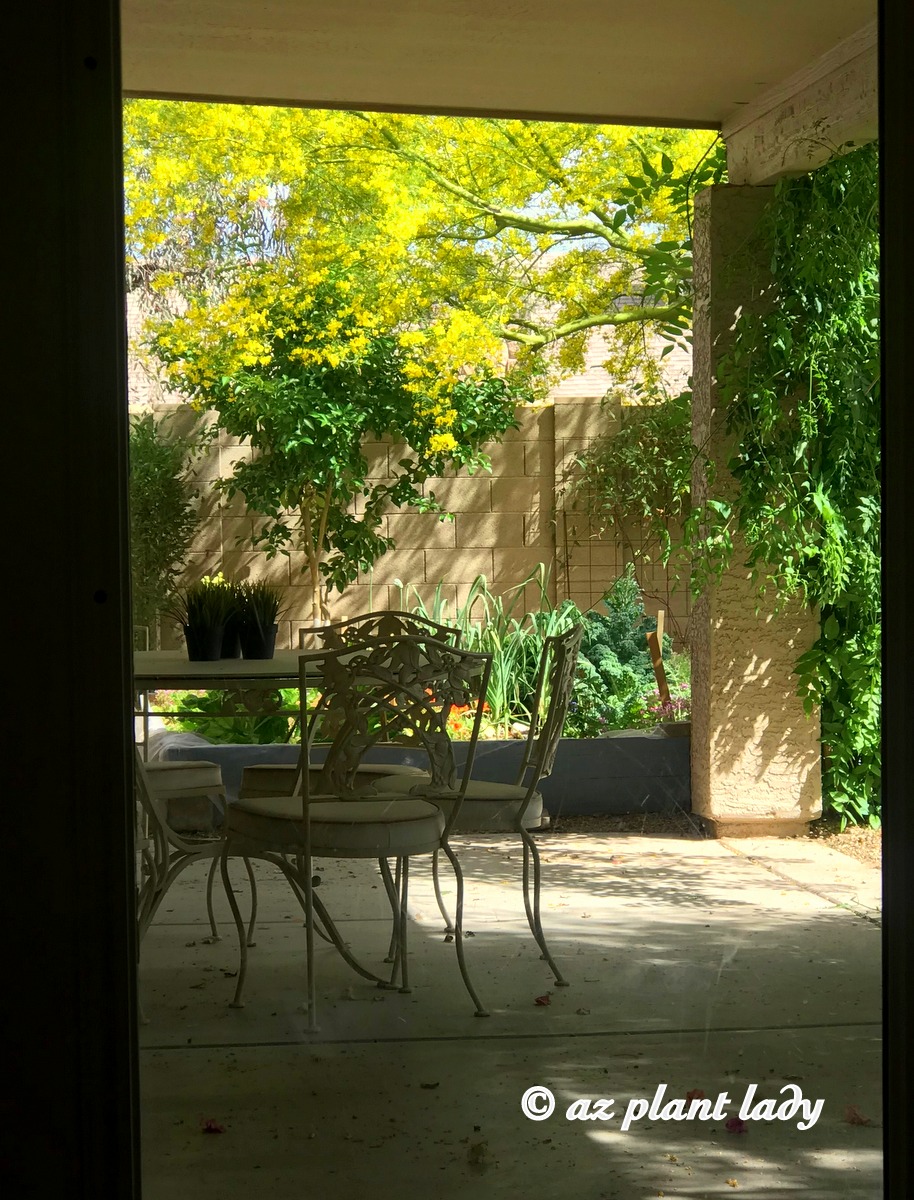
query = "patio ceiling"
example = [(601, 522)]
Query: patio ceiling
[(659, 63)]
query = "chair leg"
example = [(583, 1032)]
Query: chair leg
[(458, 931), (237, 1002), (253, 883), (448, 923), (392, 887), (214, 932), (309, 941), (401, 924), (531, 852)]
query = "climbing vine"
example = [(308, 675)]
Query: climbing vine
[(800, 388)]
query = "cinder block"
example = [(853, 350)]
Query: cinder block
[(376, 457), (206, 468), (539, 458), (254, 564), (534, 424), (208, 538), (424, 593), (519, 495), (510, 567), (584, 420), (419, 530), (507, 459), (401, 563), (490, 529), (461, 566), (539, 530), (465, 494), (236, 532), (199, 564), (229, 455)]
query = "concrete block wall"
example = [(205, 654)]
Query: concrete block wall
[(503, 523)]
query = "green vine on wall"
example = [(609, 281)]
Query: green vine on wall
[(800, 387)]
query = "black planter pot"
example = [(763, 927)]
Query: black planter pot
[(257, 642), (204, 644), (231, 640)]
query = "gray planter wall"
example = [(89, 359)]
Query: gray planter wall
[(622, 773)]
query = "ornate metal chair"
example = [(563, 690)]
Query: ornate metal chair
[(278, 779), (164, 853), (411, 683), (521, 801), (383, 623)]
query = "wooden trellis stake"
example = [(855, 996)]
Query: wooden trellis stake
[(655, 646)]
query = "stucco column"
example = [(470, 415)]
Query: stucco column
[(755, 754)]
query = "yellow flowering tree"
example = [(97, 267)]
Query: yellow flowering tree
[(495, 239), (305, 375)]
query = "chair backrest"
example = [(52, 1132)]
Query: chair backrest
[(383, 624), (554, 684), (411, 683)]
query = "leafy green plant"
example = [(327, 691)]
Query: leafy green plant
[(615, 679), (497, 625), (163, 516), (241, 727)]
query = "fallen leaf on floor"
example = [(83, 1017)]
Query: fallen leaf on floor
[(582, 1012), (736, 1125), (695, 1094), (732, 1183), (853, 1116), (211, 1126), (543, 1000)]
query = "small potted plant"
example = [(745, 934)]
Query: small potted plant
[(258, 613), (231, 638), (202, 610)]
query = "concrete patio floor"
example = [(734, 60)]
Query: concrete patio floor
[(696, 964)]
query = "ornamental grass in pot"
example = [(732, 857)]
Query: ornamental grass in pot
[(203, 609), (258, 612)]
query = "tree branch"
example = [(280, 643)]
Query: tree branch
[(545, 337)]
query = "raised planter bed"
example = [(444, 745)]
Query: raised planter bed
[(629, 771)]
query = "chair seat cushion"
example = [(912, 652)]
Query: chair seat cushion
[(487, 807), (168, 777), (278, 779), (391, 827)]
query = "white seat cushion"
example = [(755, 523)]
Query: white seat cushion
[(487, 807), (278, 779), (390, 828), (167, 777)]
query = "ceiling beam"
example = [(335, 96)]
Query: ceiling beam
[(828, 107)]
